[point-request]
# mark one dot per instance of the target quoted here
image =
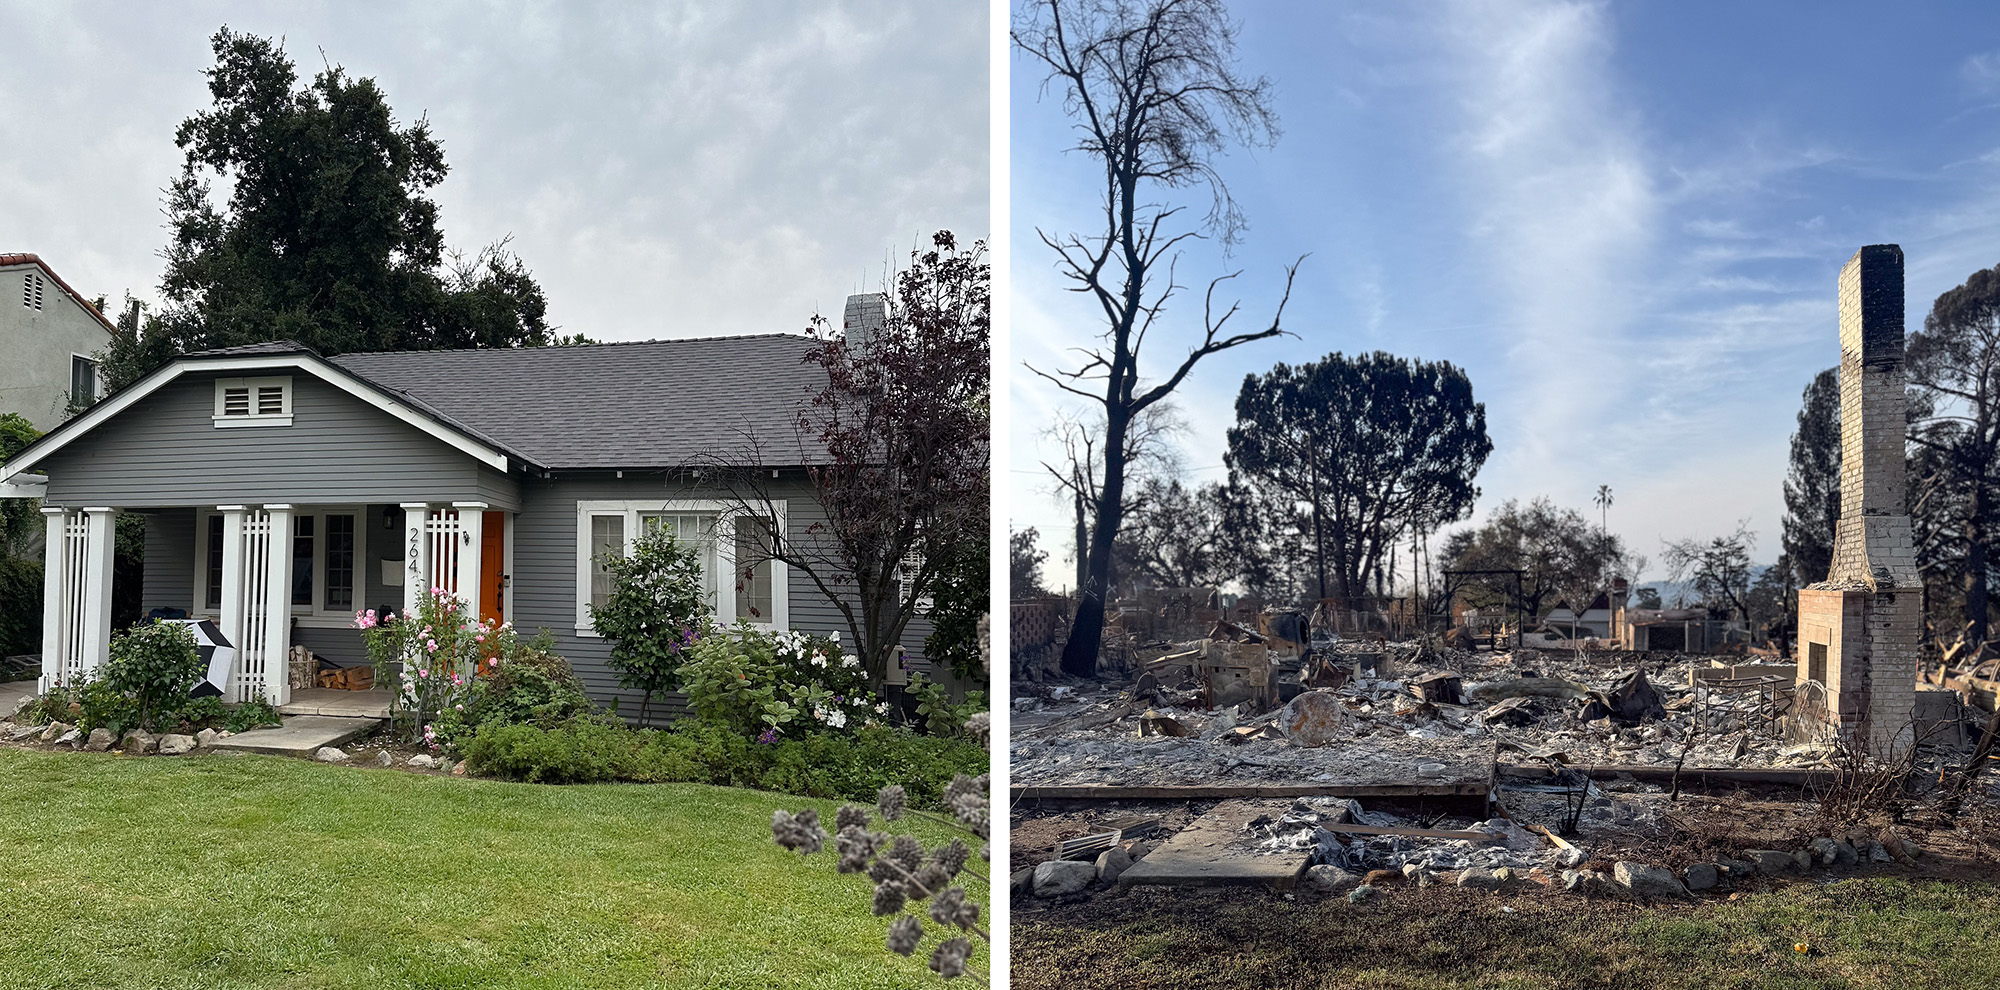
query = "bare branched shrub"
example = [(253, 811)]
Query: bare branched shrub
[(1863, 784)]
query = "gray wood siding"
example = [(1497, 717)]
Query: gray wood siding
[(166, 451), (545, 562), (170, 577)]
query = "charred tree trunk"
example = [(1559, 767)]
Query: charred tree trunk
[(1975, 566)]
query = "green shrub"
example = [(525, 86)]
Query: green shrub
[(104, 706), (657, 608), (941, 717), (252, 714), (59, 705), (773, 685), (156, 664), (853, 766), (581, 752)]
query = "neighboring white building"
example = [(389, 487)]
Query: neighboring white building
[(49, 336)]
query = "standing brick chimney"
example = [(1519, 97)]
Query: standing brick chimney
[(1858, 629)]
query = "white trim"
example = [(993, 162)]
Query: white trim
[(507, 567), (329, 373), (315, 615), (723, 563), (30, 486), (96, 375), (252, 399)]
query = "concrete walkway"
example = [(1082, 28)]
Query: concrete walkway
[(12, 693), (338, 704), (301, 735)]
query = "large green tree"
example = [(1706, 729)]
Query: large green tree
[(1812, 484), (327, 235), (1954, 373), (1367, 447), (20, 549)]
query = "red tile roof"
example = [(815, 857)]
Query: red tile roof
[(10, 260)]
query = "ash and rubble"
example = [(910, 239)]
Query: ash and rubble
[(1529, 706)]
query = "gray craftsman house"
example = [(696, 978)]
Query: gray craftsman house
[(283, 491)]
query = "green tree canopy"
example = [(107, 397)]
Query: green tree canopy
[(328, 235), (1812, 485), (1370, 446), (1560, 554)]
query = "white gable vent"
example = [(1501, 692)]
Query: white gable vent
[(253, 401), (32, 286)]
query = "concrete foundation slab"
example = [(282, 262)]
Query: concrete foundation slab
[(301, 735), (1218, 850)]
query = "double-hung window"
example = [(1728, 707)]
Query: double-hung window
[(740, 580)]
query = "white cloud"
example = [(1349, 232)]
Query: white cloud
[(675, 169)]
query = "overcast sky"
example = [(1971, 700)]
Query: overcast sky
[(665, 169), (1624, 220)]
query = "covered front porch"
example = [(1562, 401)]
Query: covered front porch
[(282, 582)]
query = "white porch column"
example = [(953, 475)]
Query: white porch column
[(98, 547), (416, 556), (470, 517), (277, 594), (232, 624), (55, 557)]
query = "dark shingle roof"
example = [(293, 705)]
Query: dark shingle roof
[(652, 404)]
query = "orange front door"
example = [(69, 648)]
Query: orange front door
[(492, 566)]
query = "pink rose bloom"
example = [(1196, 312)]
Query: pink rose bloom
[(495, 662), (480, 638), (423, 673)]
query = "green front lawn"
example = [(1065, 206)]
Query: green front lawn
[(1884, 932), (219, 871)]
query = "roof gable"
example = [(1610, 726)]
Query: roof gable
[(23, 258)]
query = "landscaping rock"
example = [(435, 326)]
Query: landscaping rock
[(1022, 885), (383, 759), (139, 742), (73, 737), (1803, 860), (1571, 857), (331, 754), (174, 744), (1702, 876), (1359, 894), (1844, 854), (1737, 867), (20, 732), (1480, 878), (1416, 874), (1823, 850), (1771, 860), (423, 761), (1112, 862), (100, 741), (1649, 882), (458, 769), (1875, 851), (1058, 877), (1330, 880), (207, 737), (54, 731)]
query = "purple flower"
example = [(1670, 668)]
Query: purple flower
[(768, 737)]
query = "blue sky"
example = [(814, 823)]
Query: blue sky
[(1624, 220)]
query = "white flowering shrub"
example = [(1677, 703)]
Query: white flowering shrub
[(913, 883), (777, 685)]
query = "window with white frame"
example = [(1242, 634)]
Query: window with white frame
[(326, 543), (907, 570), (82, 381), (722, 534), (253, 401)]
